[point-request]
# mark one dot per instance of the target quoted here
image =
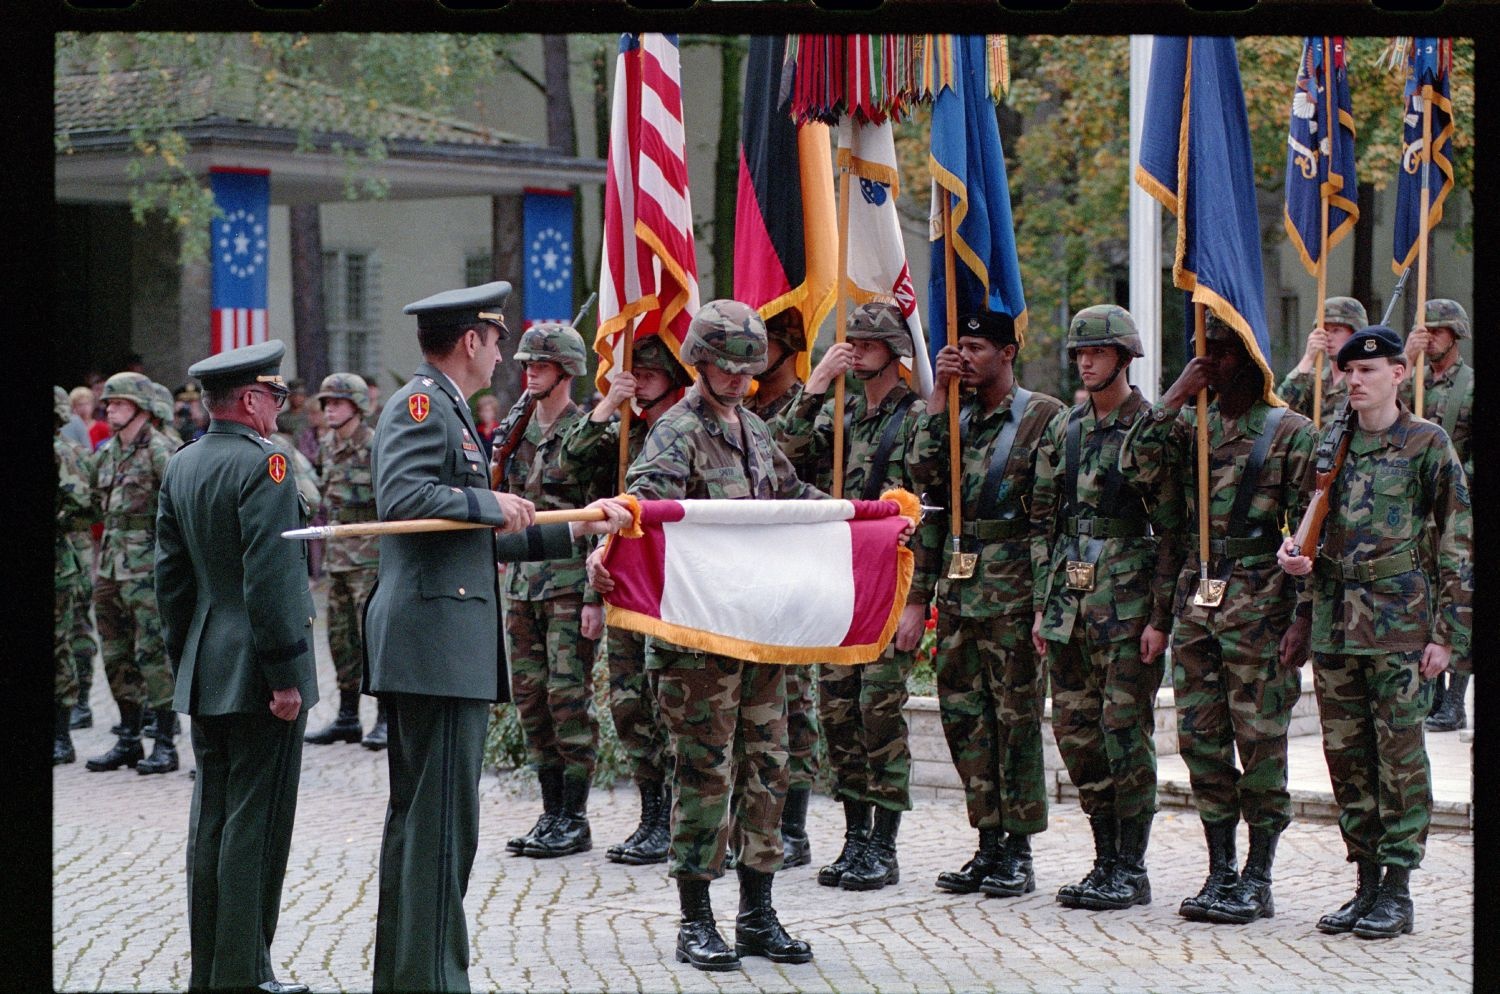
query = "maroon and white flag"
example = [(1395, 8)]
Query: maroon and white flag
[(770, 581)]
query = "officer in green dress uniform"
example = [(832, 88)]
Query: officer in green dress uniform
[(237, 620)]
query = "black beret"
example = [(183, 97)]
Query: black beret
[(997, 326), (1371, 343)]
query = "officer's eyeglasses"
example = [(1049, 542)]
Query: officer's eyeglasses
[(279, 399)]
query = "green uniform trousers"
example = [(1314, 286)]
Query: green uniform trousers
[(135, 656), (552, 683), (801, 726), (347, 592), (633, 705), (239, 832), (861, 709)]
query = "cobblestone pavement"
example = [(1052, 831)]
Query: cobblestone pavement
[(585, 924)]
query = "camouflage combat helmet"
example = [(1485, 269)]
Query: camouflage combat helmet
[(786, 327), (134, 387), (653, 353), (345, 386), (728, 334), (1104, 324), (61, 407), (553, 341), (880, 321), (161, 403), (1450, 314), (1345, 311)]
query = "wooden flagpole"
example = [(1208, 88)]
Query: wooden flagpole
[(838, 328), (1422, 238), (955, 464), (416, 525), (1331, 123), (624, 351), (1210, 592)]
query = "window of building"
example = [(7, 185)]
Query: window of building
[(479, 267), (351, 303)]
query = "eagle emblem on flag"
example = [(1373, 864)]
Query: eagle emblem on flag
[(276, 466), (418, 404)]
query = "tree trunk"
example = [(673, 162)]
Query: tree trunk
[(1362, 287), (309, 326), (505, 251), (560, 133), (727, 163)]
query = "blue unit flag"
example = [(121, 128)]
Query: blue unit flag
[(1429, 62), (1320, 152), (547, 227)]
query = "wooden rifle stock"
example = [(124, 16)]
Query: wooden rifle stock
[(1330, 460), (505, 449)]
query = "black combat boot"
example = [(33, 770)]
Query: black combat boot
[(1344, 919), (1106, 850), (1221, 872), (344, 728), (967, 879), (1251, 897), (698, 940), (856, 834), (1439, 694), (1127, 885), (550, 780), (149, 729), (62, 743), (1452, 715), (657, 839), (163, 758), (83, 715), (876, 866), (127, 749), (650, 801), (378, 738), (757, 930), (569, 832), (1014, 875), (1392, 914), (795, 849)]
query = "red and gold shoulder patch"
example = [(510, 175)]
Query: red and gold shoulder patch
[(276, 466), (418, 405)]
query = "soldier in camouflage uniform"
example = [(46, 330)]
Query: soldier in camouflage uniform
[(727, 716), (552, 620), (161, 414), (1236, 666), (655, 383), (776, 389), (1447, 400), (348, 493), (989, 675), (1383, 627), (73, 527), (860, 707), (1342, 317), (1106, 572), (126, 476), (72, 576)]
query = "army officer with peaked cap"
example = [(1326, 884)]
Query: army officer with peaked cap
[(432, 633), (237, 619)]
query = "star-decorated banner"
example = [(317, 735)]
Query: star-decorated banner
[(241, 245), (547, 227)]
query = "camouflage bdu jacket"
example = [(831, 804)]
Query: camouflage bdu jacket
[(536, 472), (805, 432), (1163, 449), (1443, 405), (1297, 390), (1006, 544), (125, 482), (1134, 573), (1369, 593), (348, 497), (597, 443), (72, 506)]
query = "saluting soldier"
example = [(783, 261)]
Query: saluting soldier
[(1106, 576), (237, 618), (1448, 400), (860, 707), (126, 478), (553, 620), (348, 497), (1235, 663), (1383, 627), (653, 385), (1342, 317), (989, 674), (432, 633), (71, 581)]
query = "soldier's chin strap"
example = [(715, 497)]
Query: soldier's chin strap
[(786, 354), (869, 374), (1120, 363), (718, 397)]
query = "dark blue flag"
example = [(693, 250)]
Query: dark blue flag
[(1320, 152), (241, 250), (1195, 159), (547, 230), (968, 167), (1428, 65)]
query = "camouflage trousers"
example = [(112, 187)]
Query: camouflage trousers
[(1372, 708), (65, 681), (1233, 694), (1103, 717), (727, 720), (135, 657), (81, 633), (347, 592), (552, 683), (864, 724), (989, 684), (633, 705), (801, 726)]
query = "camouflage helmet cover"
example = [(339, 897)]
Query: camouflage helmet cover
[(553, 341), (345, 386), (134, 387), (1450, 314), (653, 353), (880, 321), (161, 403), (1104, 324), (729, 334), (1345, 311), (786, 327), (61, 406)]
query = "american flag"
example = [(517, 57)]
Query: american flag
[(649, 273)]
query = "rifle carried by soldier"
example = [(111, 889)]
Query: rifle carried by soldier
[(1332, 449)]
